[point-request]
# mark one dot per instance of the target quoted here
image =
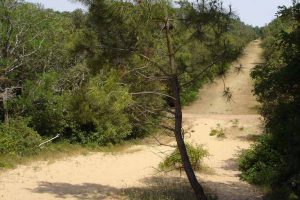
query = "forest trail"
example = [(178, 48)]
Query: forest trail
[(103, 176)]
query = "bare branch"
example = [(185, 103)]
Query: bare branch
[(57, 136), (161, 68), (152, 92), (162, 144)]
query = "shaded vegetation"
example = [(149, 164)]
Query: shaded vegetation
[(274, 160), (18, 138)]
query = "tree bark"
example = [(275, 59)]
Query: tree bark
[(198, 189)]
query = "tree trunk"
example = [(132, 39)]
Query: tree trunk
[(198, 189), (175, 88), (4, 106)]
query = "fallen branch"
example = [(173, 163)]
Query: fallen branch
[(57, 136)]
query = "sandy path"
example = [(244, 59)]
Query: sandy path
[(211, 109), (210, 97), (101, 176)]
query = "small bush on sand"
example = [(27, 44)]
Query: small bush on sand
[(173, 161), (235, 123), (218, 131)]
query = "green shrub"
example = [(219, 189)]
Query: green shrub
[(281, 193), (173, 161), (274, 160), (261, 163), (99, 109), (44, 104), (17, 138), (189, 96)]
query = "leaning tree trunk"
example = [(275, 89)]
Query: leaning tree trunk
[(175, 88), (198, 189)]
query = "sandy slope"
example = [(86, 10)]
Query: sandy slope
[(101, 176)]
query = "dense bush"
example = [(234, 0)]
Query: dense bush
[(261, 163), (44, 104), (17, 138), (99, 109)]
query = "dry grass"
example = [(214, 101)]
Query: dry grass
[(55, 151), (164, 188), (48, 153)]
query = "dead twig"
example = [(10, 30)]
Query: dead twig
[(57, 136)]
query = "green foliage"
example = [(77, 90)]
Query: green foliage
[(279, 193), (189, 96), (261, 163), (276, 156), (37, 41), (100, 110), (17, 138), (45, 105), (173, 161), (137, 31)]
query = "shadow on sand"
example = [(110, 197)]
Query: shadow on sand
[(165, 187), (155, 188), (77, 191)]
